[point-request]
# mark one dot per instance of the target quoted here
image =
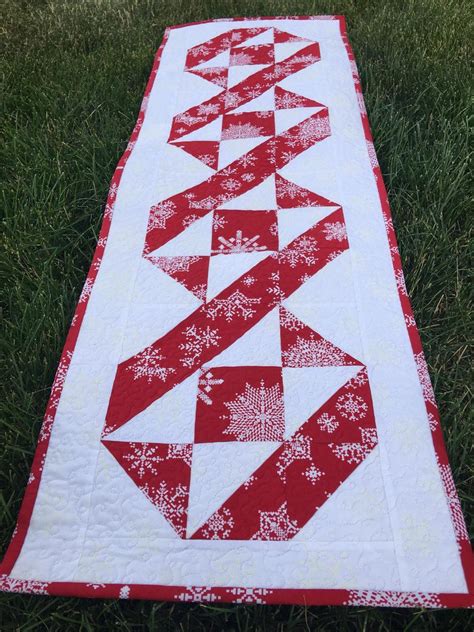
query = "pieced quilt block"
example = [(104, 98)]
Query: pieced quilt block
[(243, 411)]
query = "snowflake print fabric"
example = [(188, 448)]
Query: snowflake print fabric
[(243, 411)]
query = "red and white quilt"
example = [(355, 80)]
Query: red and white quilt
[(243, 411)]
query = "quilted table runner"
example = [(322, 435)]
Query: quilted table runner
[(242, 411)]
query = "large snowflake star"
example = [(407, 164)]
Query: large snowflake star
[(257, 414)]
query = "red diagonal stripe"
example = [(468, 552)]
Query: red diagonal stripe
[(167, 217), (211, 328)]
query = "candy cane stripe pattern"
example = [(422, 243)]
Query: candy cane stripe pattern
[(243, 411)]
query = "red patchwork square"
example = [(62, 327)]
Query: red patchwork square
[(240, 403), (248, 125), (236, 232), (250, 55)]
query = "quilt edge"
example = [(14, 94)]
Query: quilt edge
[(360, 597)]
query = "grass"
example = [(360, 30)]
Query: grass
[(74, 73)]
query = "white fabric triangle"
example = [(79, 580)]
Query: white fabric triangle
[(170, 419), (211, 131), (306, 390), (264, 38), (119, 509), (260, 346), (219, 61), (239, 73), (326, 304), (262, 196), (356, 511), (225, 269), (282, 51), (194, 240), (265, 102), (147, 323), (219, 469), (284, 119), (230, 150), (292, 222)]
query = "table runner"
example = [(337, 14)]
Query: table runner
[(242, 411)]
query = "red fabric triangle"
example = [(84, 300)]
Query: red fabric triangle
[(162, 471), (215, 74), (207, 151), (301, 346), (282, 37), (284, 100), (190, 271), (291, 195)]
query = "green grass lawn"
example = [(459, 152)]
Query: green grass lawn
[(74, 74)]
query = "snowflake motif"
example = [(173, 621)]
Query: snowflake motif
[(410, 321), (207, 159), (171, 265), (160, 214), (240, 59), (277, 294), (190, 219), (200, 291), (238, 244), (147, 365), (248, 177), (46, 428), (187, 119), (372, 155), (328, 423), (232, 100), (237, 304), (454, 503), (350, 452), (60, 377), (247, 160), (231, 184), (393, 599), (312, 352), (313, 474), (400, 280), (241, 130), (171, 502), (432, 421), (219, 525), (335, 231), (289, 321), (424, 378), (313, 130), (207, 204), (95, 586), (249, 595), (303, 252), (181, 451), (124, 592), (251, 479), (291, 190), (143, 459), (197, 339), (198, 593), (10, 584), (306, 59), (296, 449), (360, 379), (276, 525), (86, 290), (287, 101), (218, 222), (206, 109), (351, 406), (205, 385), (257, 414), (249, 280)]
